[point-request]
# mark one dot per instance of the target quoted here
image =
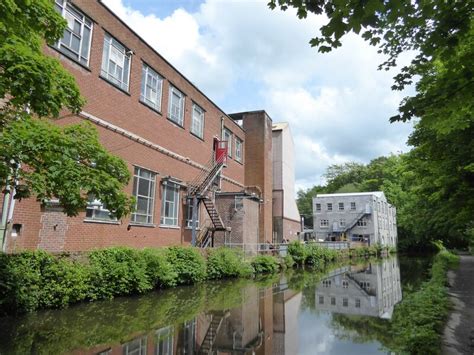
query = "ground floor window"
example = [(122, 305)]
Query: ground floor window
[(170, 204), (189, 213), (144, 192), (96, 210)]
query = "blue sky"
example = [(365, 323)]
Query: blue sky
[(247, 57)]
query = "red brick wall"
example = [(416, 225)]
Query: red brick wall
[(53, 231)]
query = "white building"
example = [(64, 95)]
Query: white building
[(286, 217), (357, 217)]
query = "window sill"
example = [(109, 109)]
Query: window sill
[(146, 225), (190, 228), (195, 135), (114, 85), (176, 124), (169, 227), (150, 107), (71, 58), (100, 221)]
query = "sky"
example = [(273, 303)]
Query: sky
[(246, 57)]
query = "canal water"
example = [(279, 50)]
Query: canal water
[(342, 311)]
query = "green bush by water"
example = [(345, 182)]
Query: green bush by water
[(225, 262), (418, 320), (265, 264), (188, 263)]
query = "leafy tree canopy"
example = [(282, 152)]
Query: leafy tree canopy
[(37, 157)]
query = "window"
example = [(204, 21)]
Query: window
[(176, 106), (170, 204), (152, 84), (362, 222), (333, 301), (239, 203), (227, 136), (321, 299), (144, 191), (345, 284), (353, 206), (76, 40), (342, 222), (365, 285), (238, 149), (326, 283), (96, 210), (164, 341), (197, 123), (324, 223), (135, 347), (345, 302), (341, 206), (189, 213), (329, 205), (115, 62), (357, 303), (318, 207)]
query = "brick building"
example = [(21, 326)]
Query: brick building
[(164, 127)]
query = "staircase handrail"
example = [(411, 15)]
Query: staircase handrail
[(357, 219)]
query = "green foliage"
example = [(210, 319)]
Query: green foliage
[(32, 280), (226, 262), (418, 321), (188, 263), (159, 270), (288, 262), (297, 251), (37, 157), (264, 264), (117, 271), (318, 257)]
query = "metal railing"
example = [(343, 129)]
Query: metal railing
[(281, 249)]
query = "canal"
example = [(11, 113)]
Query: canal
[(342, 311)]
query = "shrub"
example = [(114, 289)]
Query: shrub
[(188, 264), (159, 271), (225, 262), (263, 264), (36, 279), (117, 271), (297, 252), (288, 261)]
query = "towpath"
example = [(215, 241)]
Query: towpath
[(458, 337)]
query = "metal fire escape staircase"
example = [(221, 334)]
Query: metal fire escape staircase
[(199, 191), (349, 226)]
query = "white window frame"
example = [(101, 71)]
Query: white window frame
[(197, 121), (152, 88), (329, 206), (318, 207), (176, 109), (362, 222), (135, 347), (97, 209), (324, 223), (164, 341), (189, 214), (114, 57), (72, 15), (340, 206), (357, 303), (342, 222), (138, 176), (227, 136), (353, 206), (170, 219), (239, 143)]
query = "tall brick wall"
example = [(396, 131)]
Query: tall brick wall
[(258, 162)]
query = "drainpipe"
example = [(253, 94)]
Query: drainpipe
[(194, 220)]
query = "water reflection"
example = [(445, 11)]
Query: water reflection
[(370, 290), (296, 313)]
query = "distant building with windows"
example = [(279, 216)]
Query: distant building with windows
[(361, 217), (197, 172)]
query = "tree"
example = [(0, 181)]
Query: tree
[(37, 157)]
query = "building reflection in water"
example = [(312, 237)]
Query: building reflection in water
[(369, 290), (267, 322)]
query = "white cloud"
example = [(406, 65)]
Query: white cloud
[(247, 57)]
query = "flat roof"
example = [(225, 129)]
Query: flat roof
[(279, 126), (371, 193)]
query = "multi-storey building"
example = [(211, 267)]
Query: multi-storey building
[(364, 217), (167, 130), (286, 217)]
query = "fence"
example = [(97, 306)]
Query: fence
[(282, 248)]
